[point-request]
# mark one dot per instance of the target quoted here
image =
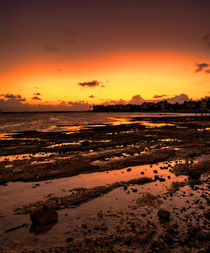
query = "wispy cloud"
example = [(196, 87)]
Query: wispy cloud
[(51, 49), (201, 66), (15, 104), (36, 98), (206, 40), (91, 84), (159, 96), (12, 96)]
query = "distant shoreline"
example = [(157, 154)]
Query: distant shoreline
[(92, 111)]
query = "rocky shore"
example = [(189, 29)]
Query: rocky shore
[(137, 187)]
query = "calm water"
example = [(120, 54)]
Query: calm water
[(71, 121)]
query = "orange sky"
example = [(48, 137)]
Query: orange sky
[(132, 48), (123, 75)]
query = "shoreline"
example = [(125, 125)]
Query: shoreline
[(98, 195)]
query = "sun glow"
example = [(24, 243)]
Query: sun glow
[(122, 74)]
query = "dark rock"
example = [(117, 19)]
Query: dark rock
[(163, 215), (84, 226), (44, 215), (207, 214), (125, 187), (156, 177), (129, 169), (85, 143), (69, 239), (142, 173), (155, 171), (194, 174), (162, 179), (134, 190)]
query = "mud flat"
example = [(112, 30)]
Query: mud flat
[(137, 187)]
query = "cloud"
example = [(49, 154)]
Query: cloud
[(70, 37), (51, 49), (90, 84), (206, 37), (115, 102), (201, 66), (12, 96), (207, 71), (37, 94), (159, 96), (136, 100), (17, 105), (178, 98), (36, 98), (206, 40), (91, 96)]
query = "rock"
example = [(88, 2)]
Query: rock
[(69, 239), (44, 215), (85, 143), (162, 179), (155, 171), (129, 169), (84, 226), (142, 173), (134, 190), (163, 215), (194, 173), (125, 187), (156, 177), (207, 214)]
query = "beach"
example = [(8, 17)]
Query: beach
[(113, 182)]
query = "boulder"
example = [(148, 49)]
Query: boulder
[(163, 215), (44, 215)]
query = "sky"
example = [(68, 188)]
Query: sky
[(68, 55)]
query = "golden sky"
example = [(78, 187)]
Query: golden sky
[(94, 52)]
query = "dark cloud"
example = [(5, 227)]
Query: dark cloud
[(12, 96), (51, 48), (37, 94), (36, 98), (91, 96), (206, 39), (201, 66), (70, 37), (159, 96), (115, 102), (136, 100), (90, 84), (178, 98), (17, 105), (207, 71)]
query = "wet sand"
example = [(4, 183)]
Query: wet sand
[(136, 187)]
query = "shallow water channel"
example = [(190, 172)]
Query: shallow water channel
[(82, 220)]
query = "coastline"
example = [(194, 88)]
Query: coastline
[(174, 152)]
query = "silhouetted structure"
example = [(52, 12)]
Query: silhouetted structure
[(201, 107)]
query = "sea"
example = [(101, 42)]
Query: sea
[(69, 121)]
